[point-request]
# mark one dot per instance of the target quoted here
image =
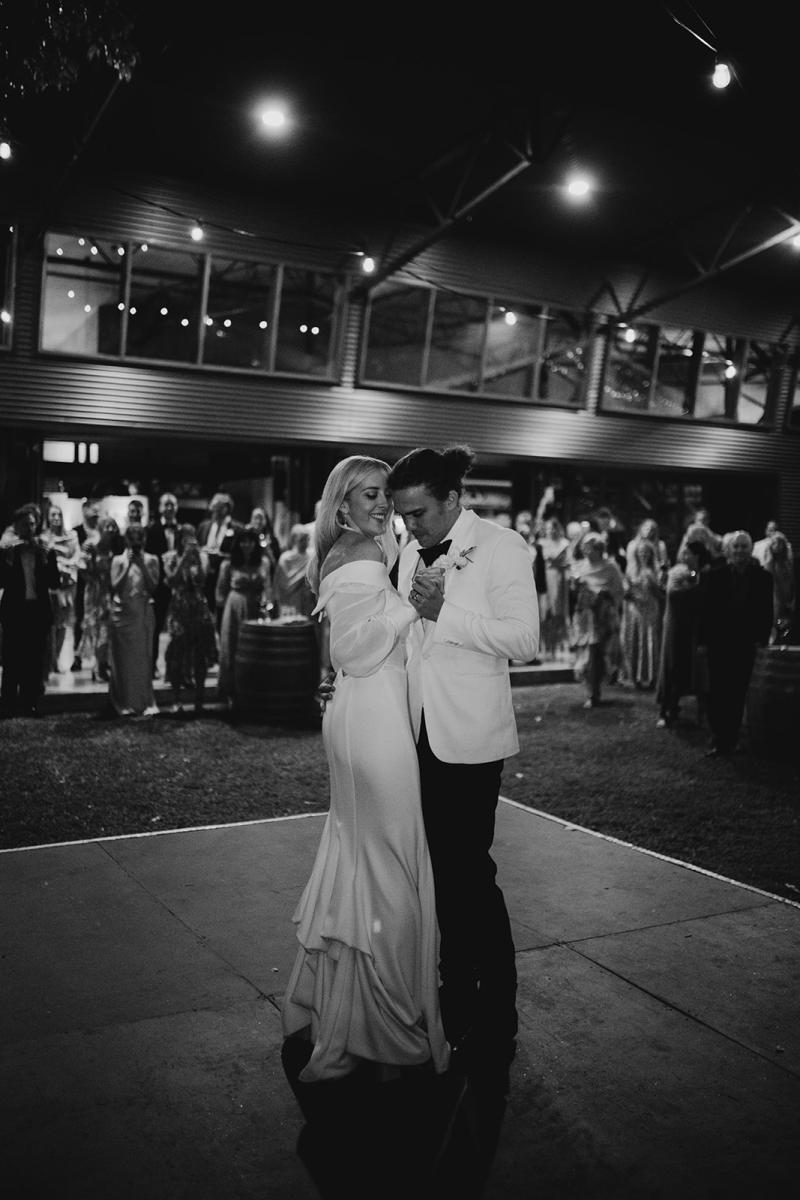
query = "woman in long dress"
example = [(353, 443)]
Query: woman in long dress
[(244, 589), (365, 982), (68, 556), (554, 600), (642, 616), (599, 586), (681, 670), (96, 571), (134, 577)]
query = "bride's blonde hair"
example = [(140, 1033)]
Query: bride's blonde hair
[(329, 524)]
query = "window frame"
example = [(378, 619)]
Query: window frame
[(339, 287)]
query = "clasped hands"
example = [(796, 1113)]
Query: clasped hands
[(426, 595)]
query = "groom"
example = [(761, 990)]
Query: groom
[(481, 613)]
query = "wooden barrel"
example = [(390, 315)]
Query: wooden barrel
[(276, 671), (773, 702)]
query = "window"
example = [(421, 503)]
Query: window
[(455, 346), (155, 303), (677, 372), (793, 406), (445, 341), (239, 325), (165, 306), (83, 295), (396, 333), (309, 303), (8, 246)]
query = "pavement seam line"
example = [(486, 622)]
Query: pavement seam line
[(677, 862)]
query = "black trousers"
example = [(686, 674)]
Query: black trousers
[(729, 671), (25, 641), (477, 958)]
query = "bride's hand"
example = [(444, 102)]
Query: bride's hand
[(325, 690)]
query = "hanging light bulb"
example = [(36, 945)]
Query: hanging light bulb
[(197, 232), (722, 75), (5, 149), (579, 187)]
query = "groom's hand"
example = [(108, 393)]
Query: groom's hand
[(427, 597)]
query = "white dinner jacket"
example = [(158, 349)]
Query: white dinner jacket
[(458, 665)]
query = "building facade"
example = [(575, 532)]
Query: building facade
[(136, 359)]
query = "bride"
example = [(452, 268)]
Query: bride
[(365, 982)]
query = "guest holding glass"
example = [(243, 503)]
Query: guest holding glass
[(191, 632)]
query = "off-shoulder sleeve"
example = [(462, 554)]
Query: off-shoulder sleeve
[(366, 623)]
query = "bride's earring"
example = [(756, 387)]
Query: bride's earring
[(343, 522)]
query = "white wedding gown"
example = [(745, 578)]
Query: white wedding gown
[(365, 982)]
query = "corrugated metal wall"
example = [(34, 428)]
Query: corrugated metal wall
[(51, 393)]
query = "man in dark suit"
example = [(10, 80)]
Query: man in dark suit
[(735, 619), (161, 536), (28, 573)]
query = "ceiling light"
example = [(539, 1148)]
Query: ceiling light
[(722, 75), (368, 264), (578, 187), (274, 117), (5, 149), (197, 233)]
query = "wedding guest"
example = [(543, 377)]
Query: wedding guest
[(260, 521), (68, 555), (161, 537), (215, 536), (554, 597), (760, 547), (95, 571), (135, 513), (642, 615), (647, 531), (292, 591), (735, 619), (191, 633), (86, 531), (28, 574), (599, 586), (778, 560), (134, 578), (244, 590), (681, 671), (604, 521)]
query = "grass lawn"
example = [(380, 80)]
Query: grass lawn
[(609, 769)]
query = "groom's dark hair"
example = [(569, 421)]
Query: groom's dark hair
[(440, 471)]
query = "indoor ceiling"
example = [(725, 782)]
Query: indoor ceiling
[(469, 118)]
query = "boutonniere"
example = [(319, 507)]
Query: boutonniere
[(463, 557)]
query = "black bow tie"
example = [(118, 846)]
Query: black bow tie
[(429, 554)]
